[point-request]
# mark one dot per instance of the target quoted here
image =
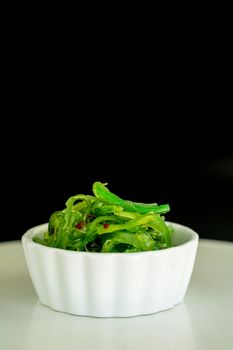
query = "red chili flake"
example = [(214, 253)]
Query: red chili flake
[(80, 225), (106, 225)]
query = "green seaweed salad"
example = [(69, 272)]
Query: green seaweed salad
[(108, 224)]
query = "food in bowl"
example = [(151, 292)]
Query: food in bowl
[(118, 279), (106, 223)]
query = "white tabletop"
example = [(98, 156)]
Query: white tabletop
[(204, 320)]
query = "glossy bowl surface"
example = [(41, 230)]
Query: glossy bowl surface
[(111, 284)]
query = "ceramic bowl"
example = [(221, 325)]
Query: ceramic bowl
[(111, 284)]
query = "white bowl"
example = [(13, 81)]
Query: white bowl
[(111, 284)]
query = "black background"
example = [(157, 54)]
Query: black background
[(144, 157), (157, 129)]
